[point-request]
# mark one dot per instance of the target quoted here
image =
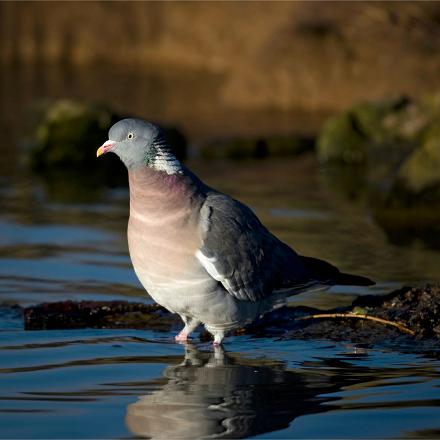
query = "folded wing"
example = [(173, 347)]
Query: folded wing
[(240, 253)]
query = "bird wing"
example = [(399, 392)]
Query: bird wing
[(240, 253)]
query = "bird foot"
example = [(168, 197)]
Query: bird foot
[(181, 337)]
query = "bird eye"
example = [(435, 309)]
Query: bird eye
[(130, 136)]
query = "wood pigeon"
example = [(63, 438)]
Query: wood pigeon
[(200, 253)]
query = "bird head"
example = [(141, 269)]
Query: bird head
[(136, 142)]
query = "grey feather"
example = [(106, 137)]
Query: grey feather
[(250, 261)]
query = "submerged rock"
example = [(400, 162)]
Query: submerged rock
[(98, 314), (412, 308), (414, 311)]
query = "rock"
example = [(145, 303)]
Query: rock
[(256, 148), (421, 170), (369, 130), (388, 153), (67, 134), (417, 308), (98, 314), (340, 140)]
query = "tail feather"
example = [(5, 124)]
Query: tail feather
[(329, 274), (346, 279)]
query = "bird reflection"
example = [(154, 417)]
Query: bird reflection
[(219, 395)]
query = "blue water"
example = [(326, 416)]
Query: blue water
[(138, 383), (113, 384)]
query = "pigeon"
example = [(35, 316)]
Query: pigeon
[(200, 253)]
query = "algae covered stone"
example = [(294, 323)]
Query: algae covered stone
[(388, 155), (397, 140), (341, 141), (371, 129), (67, 134), (421, 170)]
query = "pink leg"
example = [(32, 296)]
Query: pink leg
[(190, 325), (182, 336), (218, 338)]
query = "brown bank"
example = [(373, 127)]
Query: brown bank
[(305, 55)]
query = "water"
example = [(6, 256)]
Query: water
[(126, 383), (66, 240), (109, 384)]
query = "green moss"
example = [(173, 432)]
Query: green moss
[(369, 120), (397, 143), (369, 130), (68, 134), (422, 168), (341, 141)]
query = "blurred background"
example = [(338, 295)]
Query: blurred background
[(241, 67), (324, 117)]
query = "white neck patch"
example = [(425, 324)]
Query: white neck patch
[(166, 161)]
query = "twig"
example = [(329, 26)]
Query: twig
[(401, 327)]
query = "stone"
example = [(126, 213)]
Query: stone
[(369, 130), (395, 145), (67, 134), (417, 308), (421, 170)]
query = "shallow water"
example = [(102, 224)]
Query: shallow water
[(130, 383), (65, 239), (119, 384)]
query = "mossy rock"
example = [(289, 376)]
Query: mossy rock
[(255, 148), (396, 143), (67, 133), (341, 141), (421, 170), (370, 131)]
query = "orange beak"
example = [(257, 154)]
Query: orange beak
[(107, 145)]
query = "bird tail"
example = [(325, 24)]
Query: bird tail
[(329, 274), (346, 279)]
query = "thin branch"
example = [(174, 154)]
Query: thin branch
[(401, 327)]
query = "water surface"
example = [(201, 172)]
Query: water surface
[(65, 239), (132, 383)]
